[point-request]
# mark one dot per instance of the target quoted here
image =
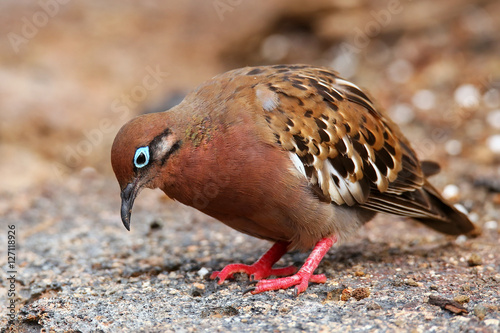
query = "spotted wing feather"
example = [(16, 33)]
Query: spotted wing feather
[(348, 150)]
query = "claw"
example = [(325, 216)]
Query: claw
[(248, 290), (252, 283)]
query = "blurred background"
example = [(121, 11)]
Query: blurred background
[(73, 72)]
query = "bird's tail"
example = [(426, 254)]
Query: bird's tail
[(445, 217)]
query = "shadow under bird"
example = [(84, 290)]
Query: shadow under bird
[(291, 153)]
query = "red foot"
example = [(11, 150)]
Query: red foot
[(304, 275), (261, 269)]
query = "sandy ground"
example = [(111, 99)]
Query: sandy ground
[(71, 80)]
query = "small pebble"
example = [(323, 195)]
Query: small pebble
[(411, 282), (402, 113), (155, 225), (473, 217), (474, 260), (494, 143), (480, 311), (359, 273), (467, 96), (461, 239), (461, 299), (453, 147), (424, 99), (200, 286), (346, 294), (451, 192), (203, 272), (360, 293), (491, 225), (372, 306), (493, 119)]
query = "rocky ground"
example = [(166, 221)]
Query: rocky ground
[(80, 270), (69, 83)]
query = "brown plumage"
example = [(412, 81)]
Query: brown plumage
[(289, 153)]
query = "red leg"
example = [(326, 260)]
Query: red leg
[(305, 275), (262, 268)]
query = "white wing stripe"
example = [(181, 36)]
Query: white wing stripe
[(297, 163)]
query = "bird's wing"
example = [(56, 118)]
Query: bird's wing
[(347, 150)]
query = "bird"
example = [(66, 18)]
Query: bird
[(293, 154)]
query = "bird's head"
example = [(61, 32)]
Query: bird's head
[(140, 150)]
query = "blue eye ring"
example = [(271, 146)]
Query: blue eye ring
[(141, 158)]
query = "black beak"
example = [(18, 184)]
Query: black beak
[(128, 195)]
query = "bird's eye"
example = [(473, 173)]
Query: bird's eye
[(141, 158)]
